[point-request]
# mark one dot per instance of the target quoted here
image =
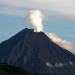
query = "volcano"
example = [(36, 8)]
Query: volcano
[(35, 52)]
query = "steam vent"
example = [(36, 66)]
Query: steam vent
[(35, 52)]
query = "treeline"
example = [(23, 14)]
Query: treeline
[(6, 69)]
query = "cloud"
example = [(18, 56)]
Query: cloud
[(66, 7), (12, 11)]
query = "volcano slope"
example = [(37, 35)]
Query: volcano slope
[(35, 52)]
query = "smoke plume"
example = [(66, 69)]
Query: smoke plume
[(36, 18), (63, 43)]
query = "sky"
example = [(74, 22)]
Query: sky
[(59, 17)]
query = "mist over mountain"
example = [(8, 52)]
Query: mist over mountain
[(35, 52)]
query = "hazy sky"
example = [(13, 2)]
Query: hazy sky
[(59, 17), (66, 7)]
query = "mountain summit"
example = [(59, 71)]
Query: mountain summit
[(35, 52)]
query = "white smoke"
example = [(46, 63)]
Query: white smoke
[(63, 43), (36, 18)]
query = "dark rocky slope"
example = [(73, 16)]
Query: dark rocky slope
[(35, 52)]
